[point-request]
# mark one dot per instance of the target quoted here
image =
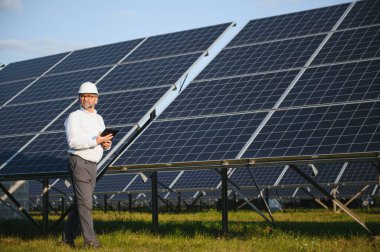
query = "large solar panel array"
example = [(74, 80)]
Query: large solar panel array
[(131, 76), (307, 91)]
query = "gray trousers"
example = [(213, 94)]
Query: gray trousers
[(83, 177)]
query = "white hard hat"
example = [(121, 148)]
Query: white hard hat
[(88, 88)]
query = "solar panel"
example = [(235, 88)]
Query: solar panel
[(270, 56), (211, 138), (190, 41), (362, 14), (58, 86), (96, 56), (264, 176), (113, 183), (22, 119), (358, 44), (165, 178), (360, 172), (53, 158), (149, 73), (199, 179), (237, 94), (290, 25), (10, 145), (349, 191), (357, 81), (10, 89), (29, 68)]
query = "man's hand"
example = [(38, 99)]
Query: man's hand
[(103, 140), (106, 145)]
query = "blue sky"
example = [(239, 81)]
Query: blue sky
[(35, 28)]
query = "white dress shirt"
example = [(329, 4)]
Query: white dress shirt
[(82, 128)]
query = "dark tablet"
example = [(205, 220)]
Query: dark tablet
[(109, 131)]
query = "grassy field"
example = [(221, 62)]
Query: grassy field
[(295, 230)]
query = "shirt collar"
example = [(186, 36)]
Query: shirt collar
[(82, 109)]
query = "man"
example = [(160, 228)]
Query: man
[(83, 128)]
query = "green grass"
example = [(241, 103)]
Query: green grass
[(301, 230)]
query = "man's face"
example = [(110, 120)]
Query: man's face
[(88, 101)]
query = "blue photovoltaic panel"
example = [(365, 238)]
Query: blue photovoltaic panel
[(289, 25), (113, 182), (190, 41), (10, 145), (211, 138), (348, 45), (120, 108), (278, 55), (230, 95), (314, 192), (356, 81), (37, 159), (29, 118), (96, 56), (360, 172), (351, 128), (10, 89), (29, 68), (247, 193), (351, 190), (58, 86), (327, 174), (264, 176), (197, 179), (151, 73), (363, 13), (282, 192)]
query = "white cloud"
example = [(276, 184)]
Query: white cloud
[(129, 13), (10, 5), (38, 46)]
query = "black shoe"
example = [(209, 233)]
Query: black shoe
[(91, 245), (67, 241)]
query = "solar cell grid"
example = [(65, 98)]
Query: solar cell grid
[(10, 145), (211, 138), (29, 118), (58, 86), (336, 83), (360, 172), (358, 44), (289, 25), (285, 54), (349, 191), (29, 68), (363, 13), (113, 182), (197, 179), (230, 95), (30, 160), (10, 89), (151, 73), (163, 177), (194, 40), (96, 56), (351, 128), (262, 175)]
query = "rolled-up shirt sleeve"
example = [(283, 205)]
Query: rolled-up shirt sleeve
[(76, 138)]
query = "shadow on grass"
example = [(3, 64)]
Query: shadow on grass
[(212, 229)]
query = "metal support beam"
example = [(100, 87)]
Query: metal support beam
[(130, 202), (329, 196), (45, 206), (20, 207), (178, 202), (154, 202), (224, 201), (355, 196)]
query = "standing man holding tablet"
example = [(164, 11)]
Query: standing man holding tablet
[(83, 132)]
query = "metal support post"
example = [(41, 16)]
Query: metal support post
[(105, 203), (154, 202), (130, 202), (179, 203), (224, 202), (62, 205), (334, 190), (45, 206)]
